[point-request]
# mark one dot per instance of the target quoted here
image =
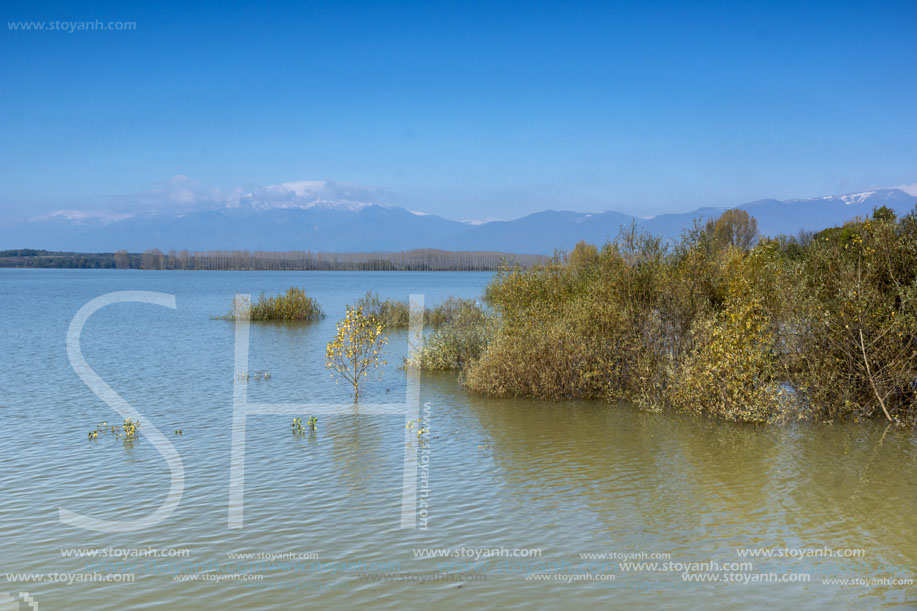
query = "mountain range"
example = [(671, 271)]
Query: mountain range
[(294, 220)]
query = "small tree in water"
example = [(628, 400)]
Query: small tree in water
[(356, 348)]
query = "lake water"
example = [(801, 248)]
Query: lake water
[(522, 497)]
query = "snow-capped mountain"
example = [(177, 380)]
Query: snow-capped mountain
[(325, 216), (304, 194), (876, 197)]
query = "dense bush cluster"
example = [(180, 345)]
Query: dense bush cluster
[(390, 313), (395, 313), (721, 323), (452, 309), (292, 305), (460, 338)]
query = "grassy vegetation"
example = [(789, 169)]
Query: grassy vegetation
[(460, 338), (451, 310), (395, 313), (390, 313), (720, 323), (292, 305)]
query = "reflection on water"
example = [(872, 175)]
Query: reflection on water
[(565, 478)]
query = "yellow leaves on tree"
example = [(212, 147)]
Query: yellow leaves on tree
[(356, 348), (732, 371)]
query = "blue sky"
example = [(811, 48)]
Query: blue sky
[(470, 110)]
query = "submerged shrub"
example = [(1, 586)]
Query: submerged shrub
[(721, 323), (355, 348), (578, 328), (390, 313), (396, 314), (732, 371), (545, 360), (856, 320), (451, 310), (457, 342), (292, 305), (733, 368)]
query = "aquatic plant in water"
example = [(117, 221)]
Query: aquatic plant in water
[(128, 430), (421, 430), (258, 375), (299, 429)]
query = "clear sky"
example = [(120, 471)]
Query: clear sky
[(467, 110)]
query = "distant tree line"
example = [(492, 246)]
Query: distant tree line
[(30, 257), (426, 259)]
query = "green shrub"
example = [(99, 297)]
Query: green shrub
[(292, 305), (732, 370), (395, 314), (459, 341), (721, 323), (450, 310), (581, 327), (389, 313), (544, 359), (855, 318)]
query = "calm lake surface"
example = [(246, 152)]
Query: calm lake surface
[(322, 512)]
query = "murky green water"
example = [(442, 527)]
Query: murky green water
[(521, 500)]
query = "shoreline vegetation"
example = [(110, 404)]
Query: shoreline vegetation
[(395, 313), (426, 259), (724, 323)]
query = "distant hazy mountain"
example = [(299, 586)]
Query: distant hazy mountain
[(270, 222)]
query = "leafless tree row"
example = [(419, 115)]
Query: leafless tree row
[(410, 260)]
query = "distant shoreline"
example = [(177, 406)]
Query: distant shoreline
[(243, 260)]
